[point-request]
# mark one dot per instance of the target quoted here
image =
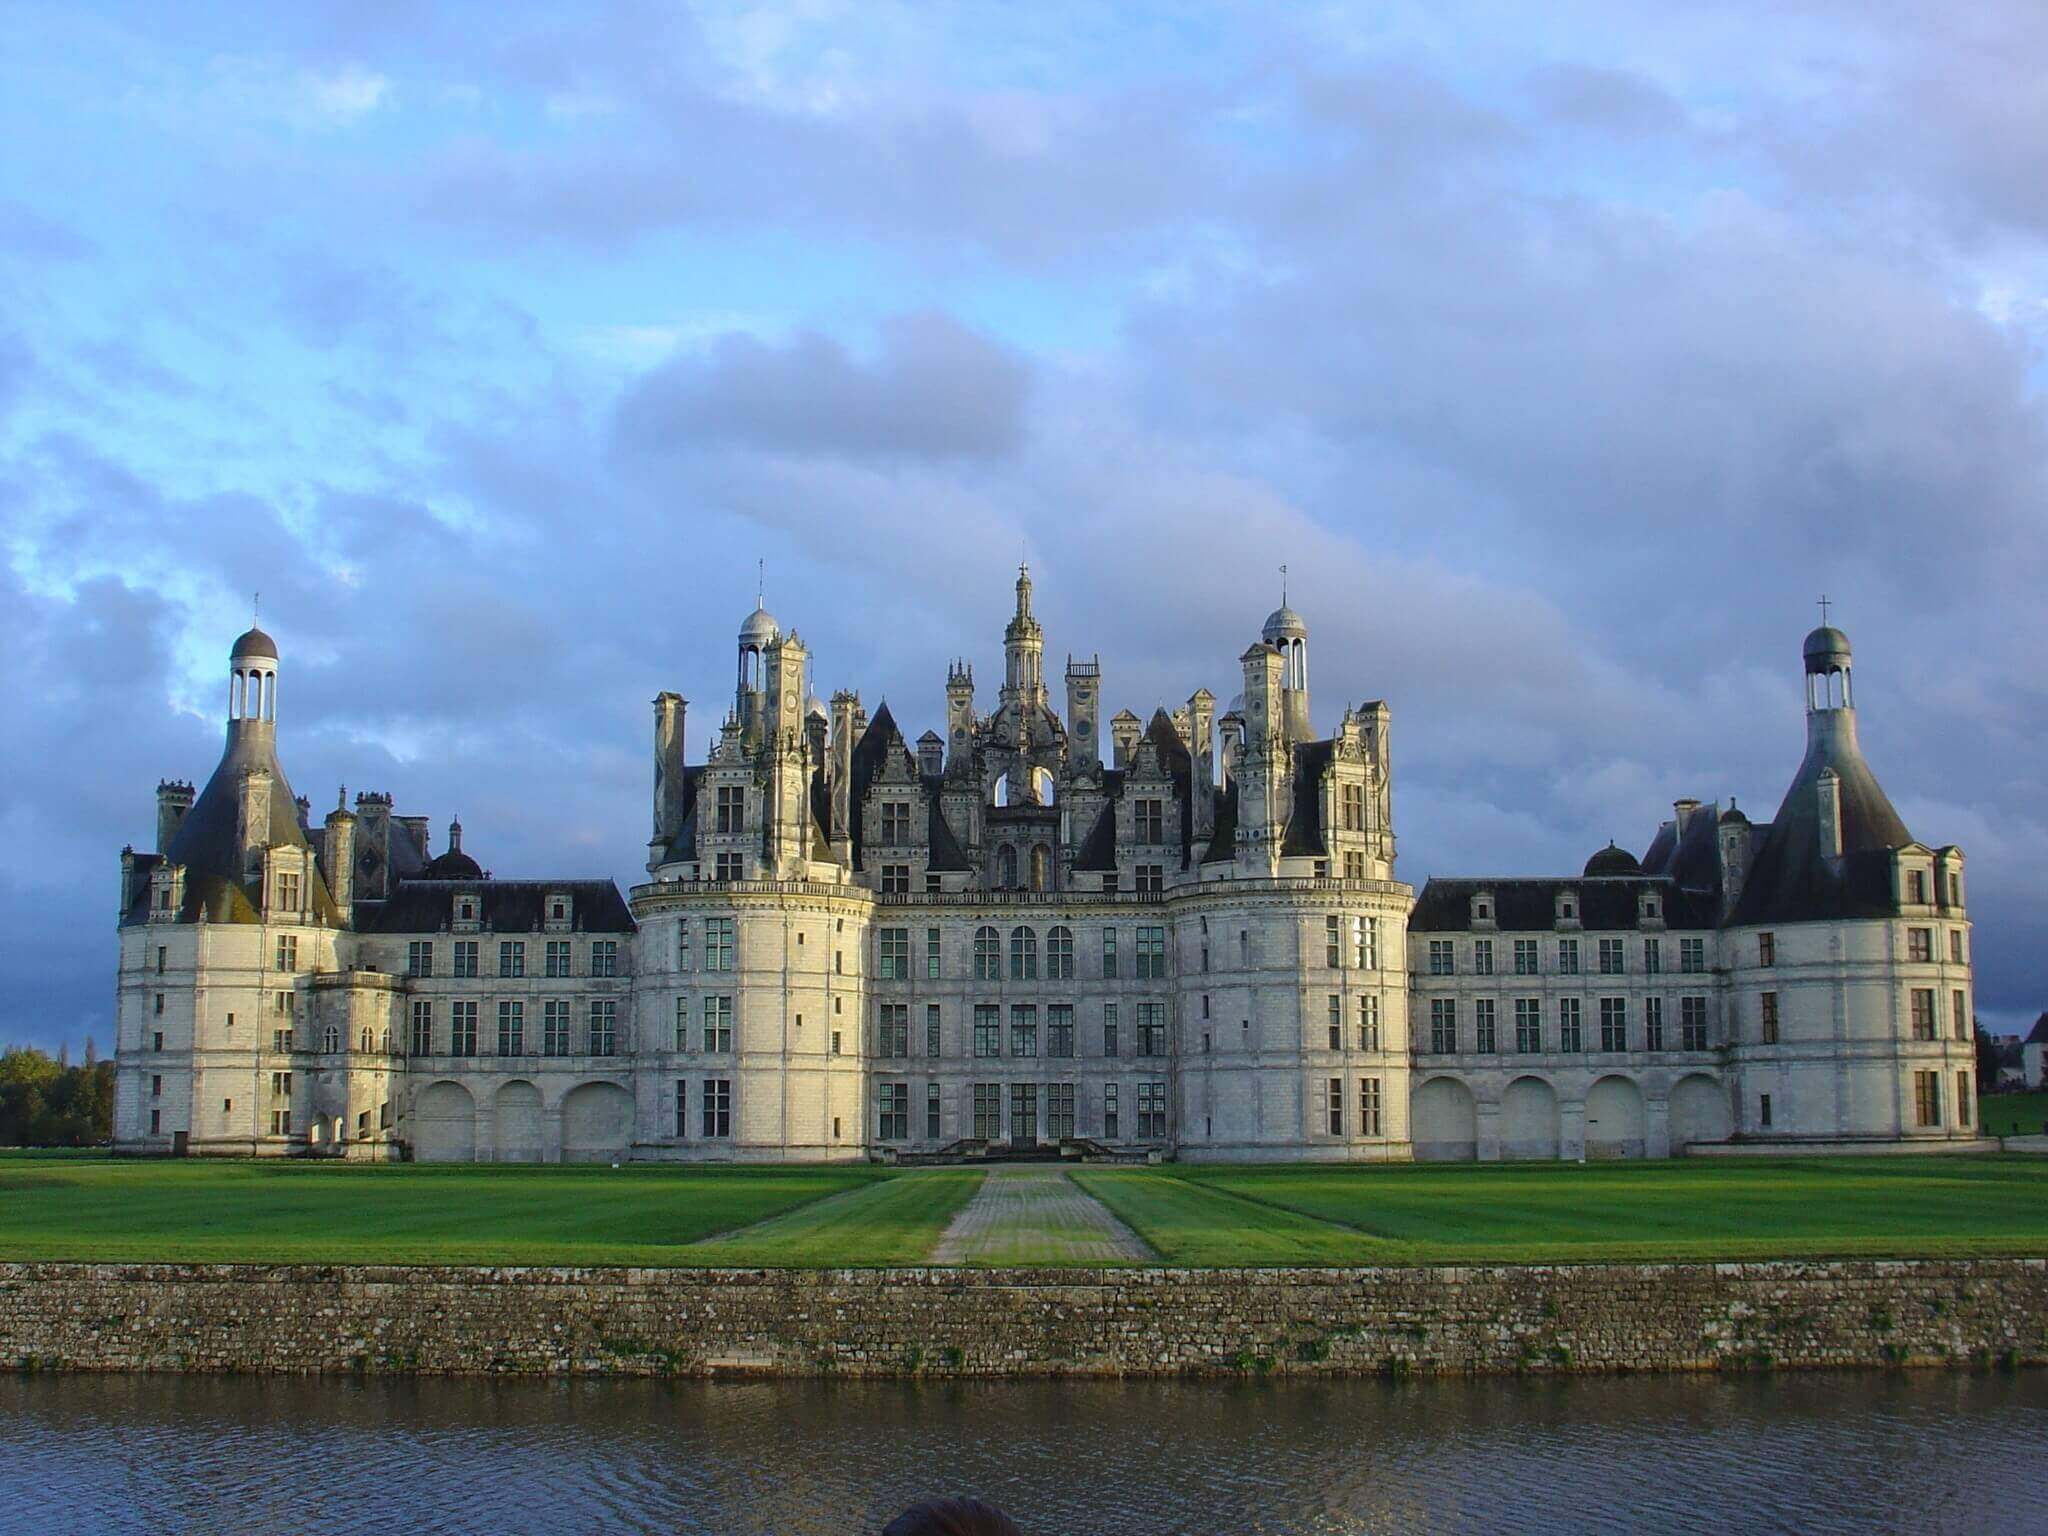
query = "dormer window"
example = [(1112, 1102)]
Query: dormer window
[(895, 823), (555, 910), (1916, 886)]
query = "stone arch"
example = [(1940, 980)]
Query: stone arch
[(444, 1124), (1614, 1119), (517, 1132), (1044, 788), (1443, 1122), (1528, 1119), (1699, 1112), (999, 792), (597, 1123)]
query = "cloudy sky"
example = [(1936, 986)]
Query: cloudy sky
[(1565, 357)]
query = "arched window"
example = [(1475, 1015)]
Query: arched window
[(1042, 781), (1041, 867), (1023, 955), (988, 955), (1001, 793), (1006, 868), (330, 1040), (1059, 954), (366, 1042)]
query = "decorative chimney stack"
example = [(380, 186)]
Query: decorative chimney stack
[(173, 799), (339, 850)]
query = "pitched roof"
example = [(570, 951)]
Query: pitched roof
[(1303, 837), (1525, 905), (2039, 1034), (505, 906)]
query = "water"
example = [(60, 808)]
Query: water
[(1923, 1453)]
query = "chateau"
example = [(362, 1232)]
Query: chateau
[(1187, 940)]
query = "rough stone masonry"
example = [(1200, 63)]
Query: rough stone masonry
[(1081, 1322)]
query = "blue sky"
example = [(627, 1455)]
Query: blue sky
[(1564, 353)]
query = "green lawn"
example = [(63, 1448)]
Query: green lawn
[(67, 1208), (896, 1219), (2013, 1114)]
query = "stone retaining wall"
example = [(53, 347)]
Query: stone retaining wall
[(951, 1322)]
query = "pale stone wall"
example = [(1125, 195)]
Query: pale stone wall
[(1118, 1322)]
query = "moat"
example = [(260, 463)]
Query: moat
[(1924, 1451)]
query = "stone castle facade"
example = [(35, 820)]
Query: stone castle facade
[(1188, 940)]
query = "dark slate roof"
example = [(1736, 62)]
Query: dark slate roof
[(2039, 1036), (205, 842), (1174, 757), (253, 644), (946, 856), (1525, 905), (1098, 849), (1610, 861), (454, 865), (869, 754), (1790, 880), (1304, 835), (506, 906), (1223, 841)]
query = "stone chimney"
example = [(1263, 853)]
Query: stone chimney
[(173, 799), (931, 755), (670, 712), (1828, 789), (339, 848)]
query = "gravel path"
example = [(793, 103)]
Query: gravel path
[(1036, 1216)]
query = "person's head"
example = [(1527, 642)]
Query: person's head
[(952, 1517)]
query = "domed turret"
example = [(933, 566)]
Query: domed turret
[(254, 644), (760, 628), (1283, 624), (1827, 650), (1826, 653), (454, 864), (1612, 863)]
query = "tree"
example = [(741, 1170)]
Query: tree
[(44, 1103)]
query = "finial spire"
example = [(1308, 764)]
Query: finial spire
[(255, 608), (1283, 586), (760, 583), (1823, 609)]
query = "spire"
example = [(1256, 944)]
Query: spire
[(1023, 590)]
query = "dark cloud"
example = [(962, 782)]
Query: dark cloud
[(934, 390)]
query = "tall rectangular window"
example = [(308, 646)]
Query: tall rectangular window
[(1482, 956), (1336, 1106), (1611, 962), (932, 1043), (1111, 1047), (1571, 1024), (892, 954), (1927, 1098), (1365, 942), (1653, 1023), (1767, 1017), (1920, 945), (1443, 1025), (717, 1119), (604, 957), (554, 1027), (1484, 1035), (732, 808), (988, 1029), (892, 1029), (1151, 954), (931, 1111), (1151, 1029), (462, 1029), (465, 957), (1692, 956), (1955, 946), (511, 958), (1024, 1112), (1369, 1023), (892, 1103), (1023, 954), (1923, 1013), (682, 1025), (604, 1027), (1333, 942), (288, 892), (1962, 1098), (1352, 800), (682, 1109), (1369, 1106), (1959, 1013), (931, 954), (1692, 1023), (1023, 1029), (1525, 957), (419, 957), (1916, 887), (683, 957), (718, 943), (1568, 957), (1059, 953), (1767, 949), (718, 1023), (1653, 957), (511, 1028), (556, 961), (1336, 1022), (1613, 1023), (1110, 1127), (988, 1111), (1059, 1111), (1059, 1029), (1528, 1025), (895, 823), (1441, 957), (287, 952), (422, 1027), (1108, 952), (1151, 822), (1152, 1111)]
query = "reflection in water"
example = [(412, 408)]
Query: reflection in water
[(1925, 1453)]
